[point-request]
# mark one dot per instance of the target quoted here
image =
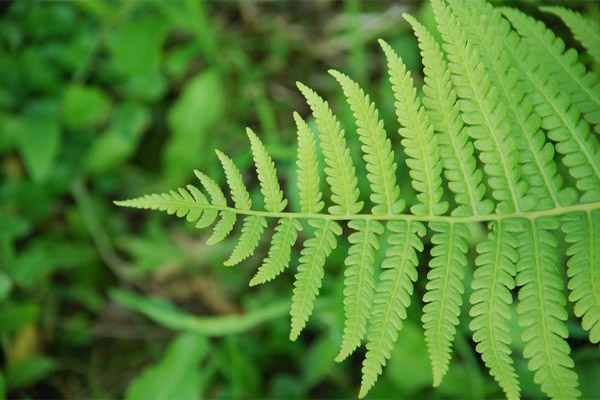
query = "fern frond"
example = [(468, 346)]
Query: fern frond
[(252, 230), (490, 304), (310, 271), (459, 163), (376, 147), (239, 192), (392, 297), (359, 283), (444, 293), (308, 169), (279, 255), (582, 231), (542, 310), (560, 117), (486, 28), (585, 30), (419, 142), (483, 113), (340, 171), (570, 75), (267, 174)]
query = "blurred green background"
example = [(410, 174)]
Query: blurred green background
[(108, 100)]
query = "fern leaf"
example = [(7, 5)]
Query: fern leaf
[(310, 271), (267, 175), (340, 170), (444, 293), (239, 193), (580, 150), (252, 230), (225, 225), (279, 255), (585, 30), (376, 147), (570, 75), (492, 282), (392, 297), (459, 163), (308, 169), (487, 29), (359, 283), (222, 228), (582, 230), (542, 311), (483, 113), (419, 142)]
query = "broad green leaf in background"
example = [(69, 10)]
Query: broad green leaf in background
[(28, 371), (166, 314), (2, 388), (5, 285), (118, 143), (84, 107), (16, 315), (200, 105), (176, 376), (38, 137), (136, 46)]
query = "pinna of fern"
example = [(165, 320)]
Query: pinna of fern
[(489, 99)]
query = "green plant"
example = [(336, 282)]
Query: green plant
[(488, 92)]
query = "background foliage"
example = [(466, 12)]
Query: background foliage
[(106, 100)]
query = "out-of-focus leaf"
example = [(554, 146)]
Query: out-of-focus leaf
[(28, 371), (38, 137), (409, 367), (84, 106), (166, 314), (2, 387), (176, 375), (147, 87), (120, 141), (5, 286), (200, 106), (320, 360), (15, 315), (136, 46)]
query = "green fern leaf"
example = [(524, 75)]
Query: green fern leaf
[(562, 119), (585, 30), (542, 310), (492, 282), (310, 272), (570, 75), (308, 169), (267, 175), (359, 283), (376, 147), (239, 193), (465, 181), (179, 203), (582, 230), (392, 297), (252, 230), (340, 171), (483, 113), (279, 256), (444, 293), (225, 225), (486, 28), (419, 142)]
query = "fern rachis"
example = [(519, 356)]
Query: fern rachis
[(507, 108)]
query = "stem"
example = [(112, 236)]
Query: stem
[(532, 215)]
